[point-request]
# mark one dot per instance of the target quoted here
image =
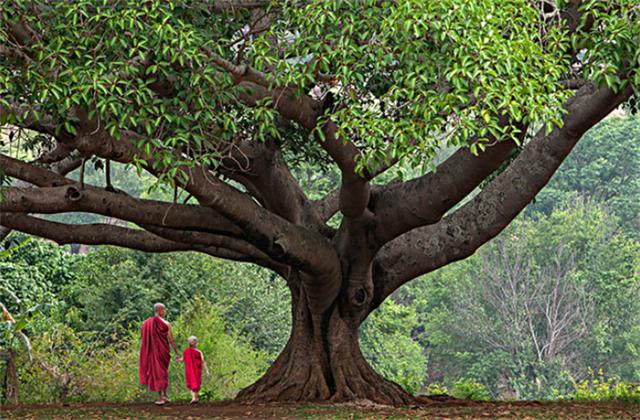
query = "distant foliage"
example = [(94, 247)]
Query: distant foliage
[(69, 366), (115, 288), (387, 344), (604, 167), (34, 271), (549, 296), (86, 342), (470, 389), (233, 363)]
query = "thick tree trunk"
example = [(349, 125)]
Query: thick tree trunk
[(322, 361)]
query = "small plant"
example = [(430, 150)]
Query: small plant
[(207, 395), (436, 388), (599, 388), (470, 389)]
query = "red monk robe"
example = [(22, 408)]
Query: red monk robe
[(154, 354), (193, 368)]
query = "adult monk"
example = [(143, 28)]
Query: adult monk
[(155, 353)]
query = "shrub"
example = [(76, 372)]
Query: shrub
[(233, 363), (436, 388), (599, 388), (470, 389), (387, 344)]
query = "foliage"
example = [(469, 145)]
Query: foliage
[(389, 97), (599, 388), (13, 326), (128, 283), (387, 344), (72, 366), (116, 288), (604, 167), (63, 365), (485, 59), (34, 271), (468, 389), (252, 300), (605, 46), (109, 291), (436, 388), (473, 325), (233, 363)]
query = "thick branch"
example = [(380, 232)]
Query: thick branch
[(272, 234), (208, 240), (103, 234), (61, 166), (354, 190), (281, 240), (30, 173), (65, 195), (261, 168), (401, 207), (71, 198), (458, 236), (328, 205)]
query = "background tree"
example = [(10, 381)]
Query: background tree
[(525, 318), (215, 98), (604, 167)]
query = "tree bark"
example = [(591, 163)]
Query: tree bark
[(10, 385), (322, 361)]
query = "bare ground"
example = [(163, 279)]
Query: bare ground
[(432, 409)]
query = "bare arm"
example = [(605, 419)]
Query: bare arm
[(173, 342), (204, 364)]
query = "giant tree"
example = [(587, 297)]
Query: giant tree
[(218, 99)]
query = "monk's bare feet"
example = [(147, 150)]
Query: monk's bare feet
[(194, 401), (161, 402)]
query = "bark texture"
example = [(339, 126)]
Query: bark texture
[(10, 380), (322, 361)]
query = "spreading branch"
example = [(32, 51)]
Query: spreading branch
[(427, 198), (458, 235), (104, 234)]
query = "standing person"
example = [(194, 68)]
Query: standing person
[(155, 353), (193, 365)]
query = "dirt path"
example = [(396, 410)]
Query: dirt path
[(432, 410)]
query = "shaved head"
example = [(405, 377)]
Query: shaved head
[(158, 307)]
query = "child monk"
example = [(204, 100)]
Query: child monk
[(193, 364)]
